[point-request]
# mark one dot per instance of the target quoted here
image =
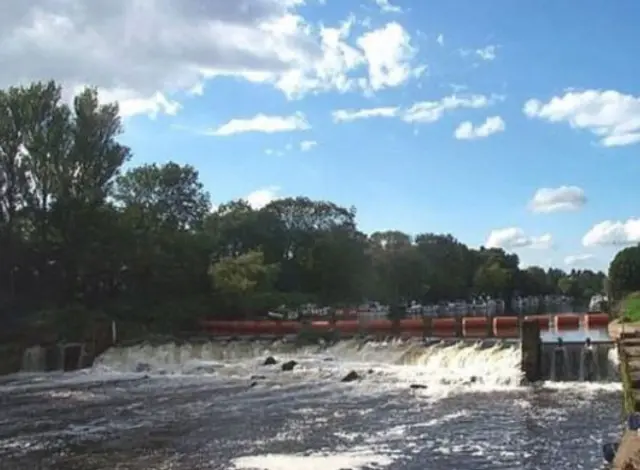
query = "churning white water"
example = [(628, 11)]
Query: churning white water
[(398, 361)]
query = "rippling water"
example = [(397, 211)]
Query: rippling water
[(217, 407)]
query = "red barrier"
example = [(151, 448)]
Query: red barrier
[(567, 321), (412, 324), (290, 327), (475, 326), (596, 320), (507, 333), (321, 326), (380, 326), (501, 324), (543, 320), (347, 326), (444, 327)]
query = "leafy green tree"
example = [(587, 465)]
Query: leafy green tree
[(624, 272)]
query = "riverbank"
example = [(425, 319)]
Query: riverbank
[(627, 336)]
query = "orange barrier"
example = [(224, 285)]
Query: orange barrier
[(290, 327), (321, 326), (501, 324), (567, 321), (507, 333), (596, 320), (380, 326), (543, 320), (444, 327), (347, 326), (412, 324), (475, 326)]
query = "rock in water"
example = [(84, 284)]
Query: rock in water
[(289, 365), (609, 451), (270, 361), (417, 386), (143, 367), (350, 377)]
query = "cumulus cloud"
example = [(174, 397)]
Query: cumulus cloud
[(512, 238), (261, 197), (346, 115), (307, 145), (431, 111), (487, 53), (467, 131), (262, 123), (419, 112), (440, 39), (612, 116), (563, 198), (573, 260), (613, 233), (387, 7), (144, 54)]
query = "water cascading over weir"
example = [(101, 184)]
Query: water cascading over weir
[(502, 357)]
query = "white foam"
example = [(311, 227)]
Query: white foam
[(355, 459)]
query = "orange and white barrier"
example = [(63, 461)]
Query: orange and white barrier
[(475, 326), (444, 327), (501, 325), (596, 320), (567, 321)]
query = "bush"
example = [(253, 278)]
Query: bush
[(631, 308)]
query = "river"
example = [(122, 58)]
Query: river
[(214, 406)]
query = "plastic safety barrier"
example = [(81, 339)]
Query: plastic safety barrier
[(347, 326), (505, 324), (596, 320), (475, 326), (567, 321), (444, 327), (411, 324)]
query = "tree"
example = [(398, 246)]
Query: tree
[(238, 279), (624, 272), (80, 239)]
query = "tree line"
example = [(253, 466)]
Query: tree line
[(83, 238)]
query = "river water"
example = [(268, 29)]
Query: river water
[(215, 406)]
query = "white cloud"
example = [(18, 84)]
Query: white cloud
[(440, 39), (573, 260), (148, 54), (513, 237), (427, 111), (346, 115), (387, 7), (563, 198), (487, 53), (466, 130), (261, 197), (389, 54), (612, 116), (613, 233), (431, 111), (307, 145), (263, 123)]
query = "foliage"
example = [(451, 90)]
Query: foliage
[(624, 272), (81, 235), (630, 308)]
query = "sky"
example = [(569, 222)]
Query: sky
[(507, 124)]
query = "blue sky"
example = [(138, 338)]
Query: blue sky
[(261, 119)]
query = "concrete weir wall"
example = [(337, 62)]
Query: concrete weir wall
[(627, 339), (531, 347)]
